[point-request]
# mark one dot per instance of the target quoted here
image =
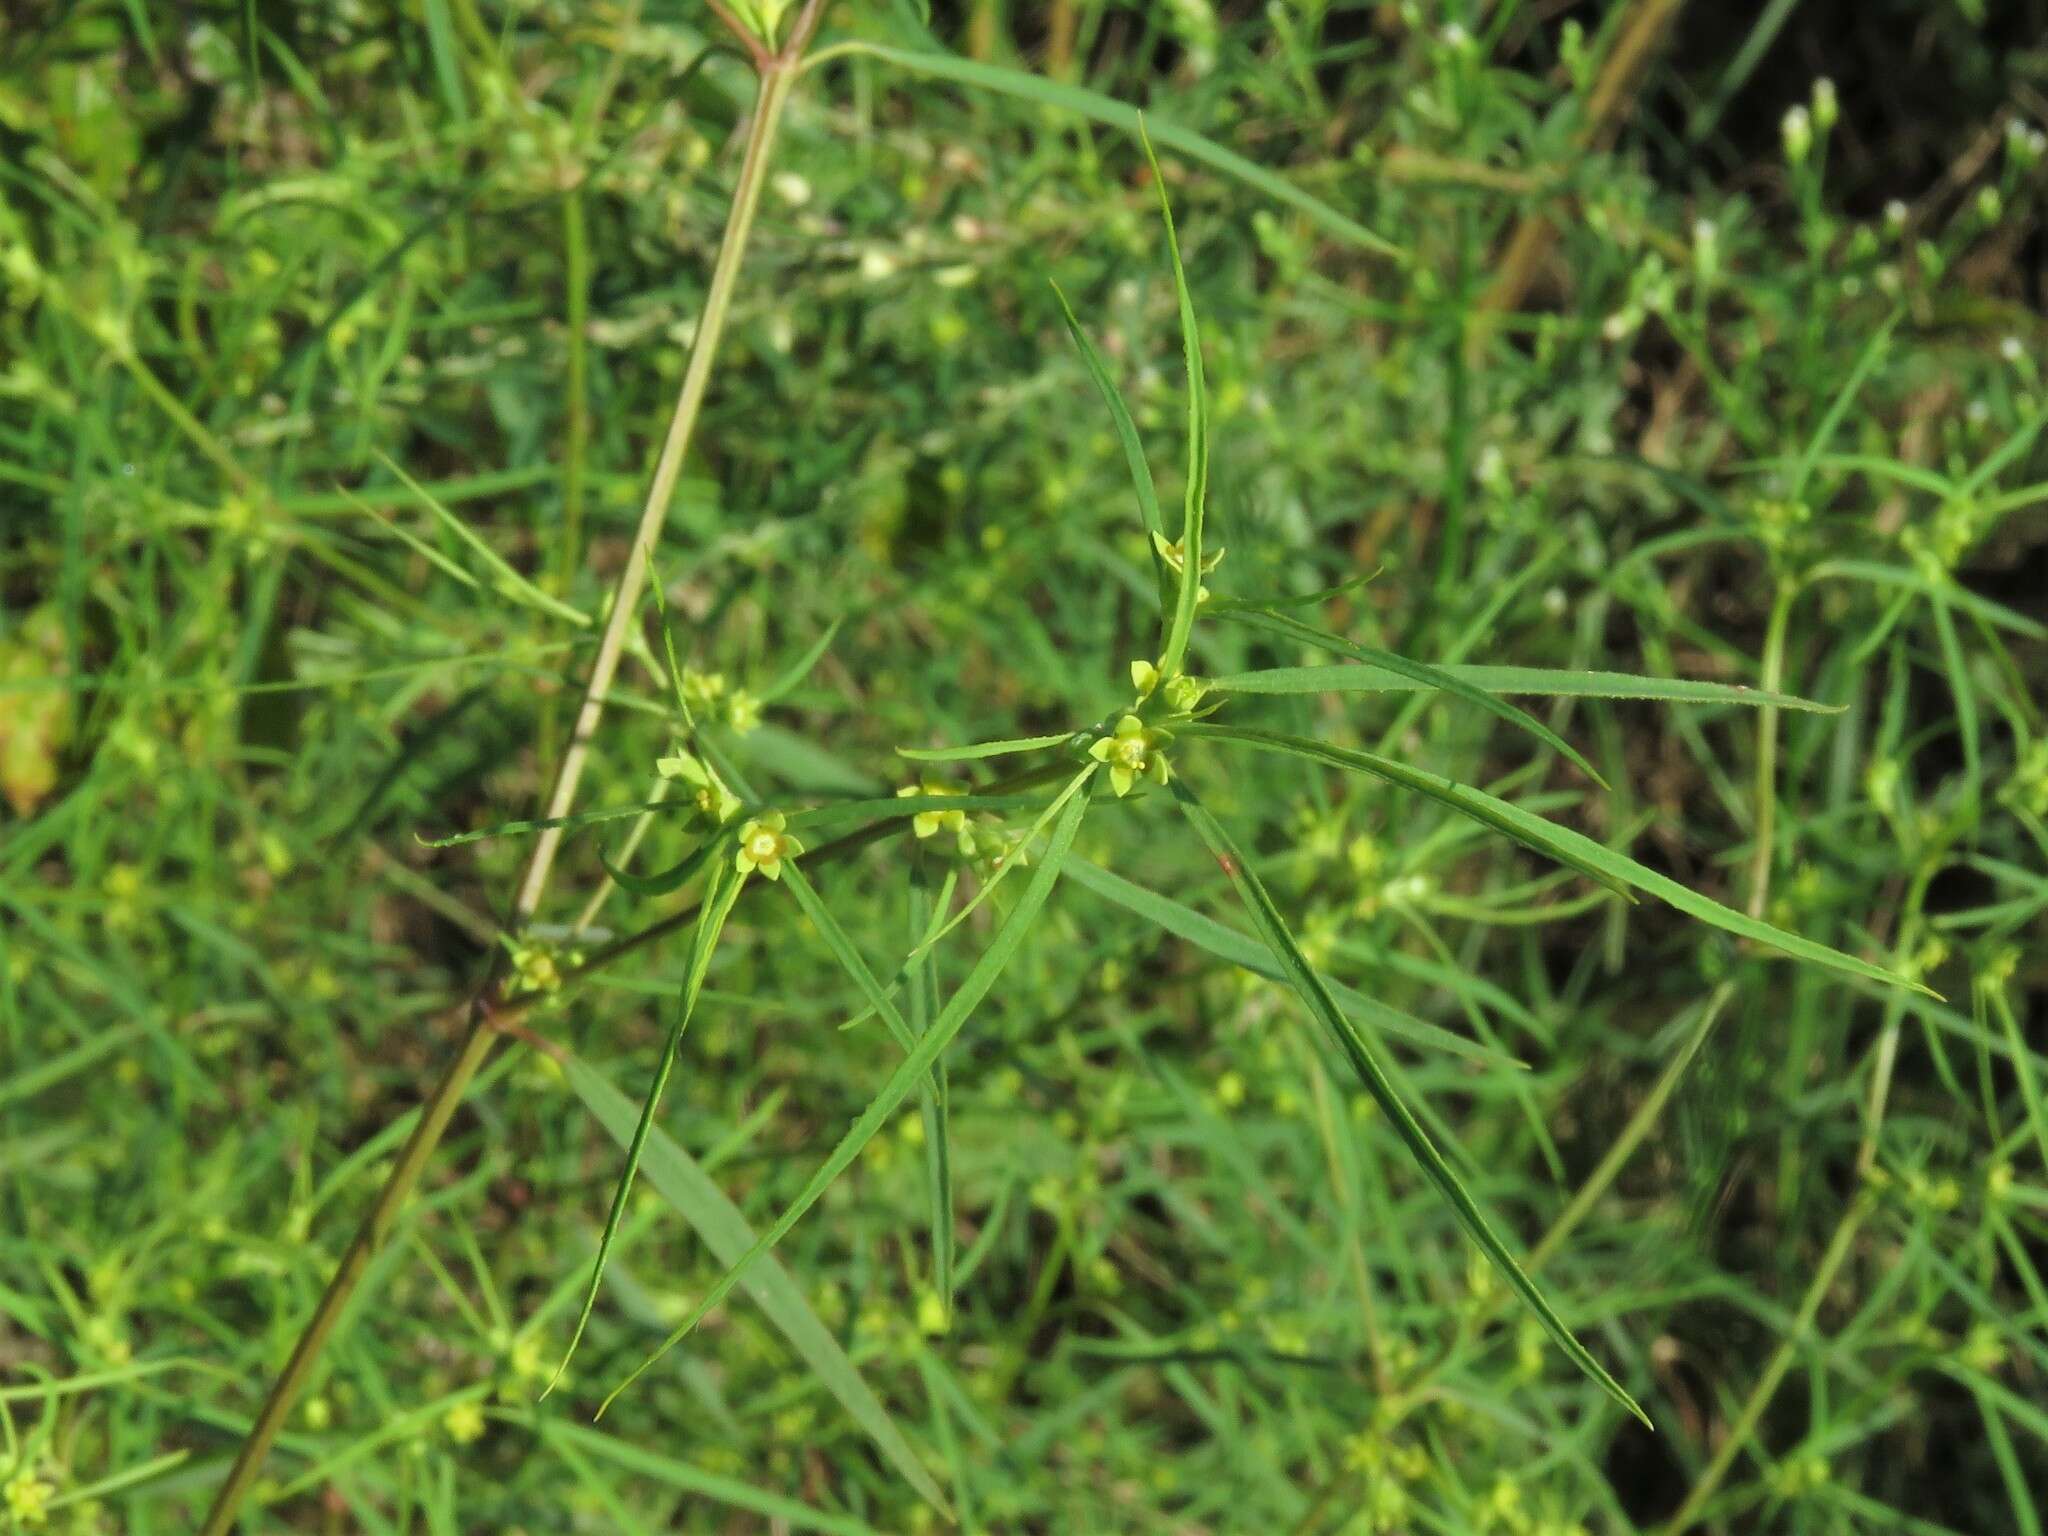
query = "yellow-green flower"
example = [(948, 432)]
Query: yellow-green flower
[(1183, 693), (464, 1423), (931, 823), (702, 689), (535, 967), (764, 845), (1132, 753), (713, 800), (28, 1499), (1176, 557), (742, 711)]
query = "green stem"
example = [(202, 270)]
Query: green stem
[(777, 76), (482, 1028), (576, 437), (1767, 1385), (370, 1237), (1767, 751)]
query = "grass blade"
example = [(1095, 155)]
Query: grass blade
[(580, 819), (800, 669), (1003, 868), (981, 749), (930, 1046), (1302, 977), (1133, 446), (698, 1199), (937, 1105), (1107, 109), (1363, 677), (505, 578), (1573, 849), (724, 889), (1184, 922), (1419, 672), (661, 884), (1190, 591)]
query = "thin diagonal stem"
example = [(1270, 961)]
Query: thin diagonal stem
[(482, 1025), (776, 81)]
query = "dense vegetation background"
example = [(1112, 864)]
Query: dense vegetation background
[(1700, 369)]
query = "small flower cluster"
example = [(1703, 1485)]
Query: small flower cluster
[(708, 694), (715, 803), (537, 966), (27, 1498), (1182, 693), (927, 824), (1176, 559)]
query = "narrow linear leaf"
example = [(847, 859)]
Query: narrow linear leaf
[(684, 1184), (668, 645), (1133, 446), (1303, 600), (1420, 672), (800, 669), (1309, 986), (1107, 109), (937, 1105), (506, 579), (1363, 677), (580, 819), (981, 749), (1004, 868), (661, 884), (1908, 579), (896, 807), (1190, 590), (1563, 844), (1249, 954), (909, 1072), (931, 1092), (724, 889)]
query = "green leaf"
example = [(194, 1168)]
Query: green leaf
[(1312, 990), (937, 1105), (1362, 677), (1002, 871), (1175, 647), (506, 580), (659, 884), (580, 819), (1249, 954), (1107, 109), (697, 1197), (1134, 448), (981, 749), (801, 667), (1419, 672), (931, 1092), (1571, 848), (896, 807), (1302, 600), (930, 1046), (723, 890)]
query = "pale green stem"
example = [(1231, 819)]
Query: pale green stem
[(777, 75), (1632, 1134), (1767, 751), (776, 79), (1767, 1385)]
